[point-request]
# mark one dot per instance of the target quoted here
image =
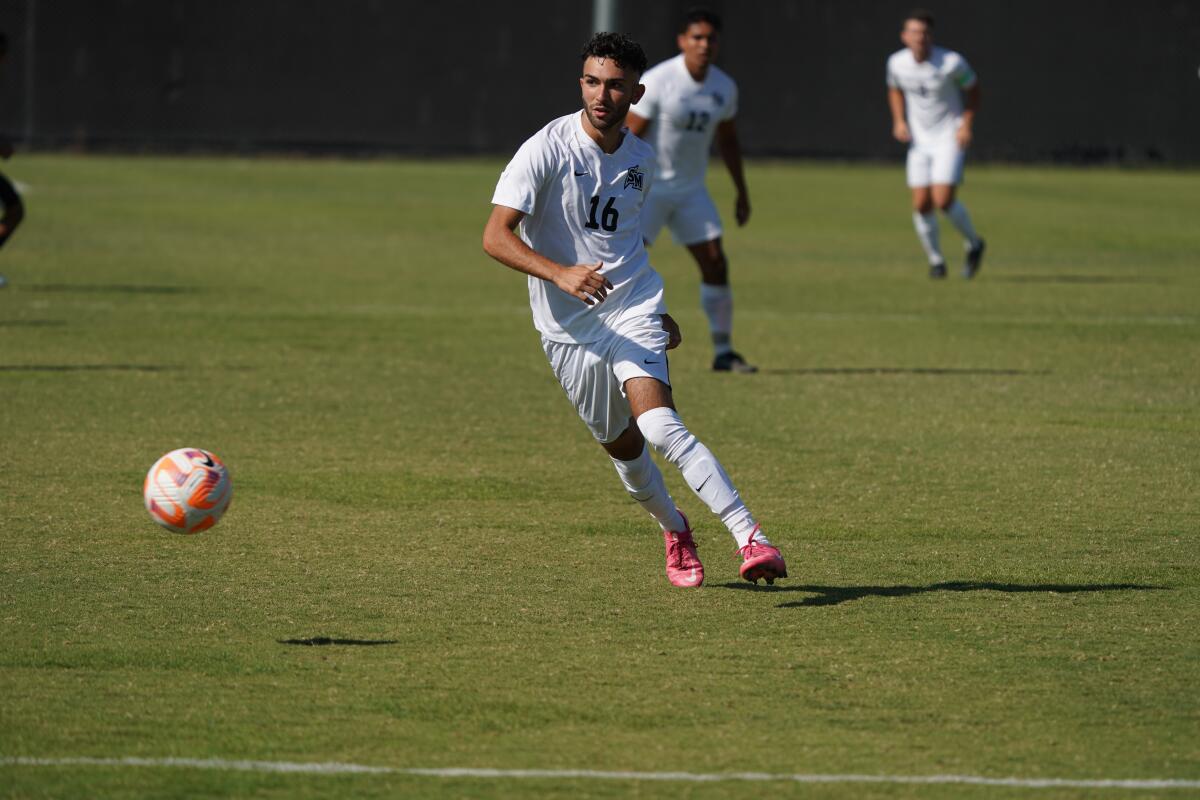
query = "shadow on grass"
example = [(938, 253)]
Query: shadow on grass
[(1073, 279), (32, 323), (836, 595), (901, 371), (323, 641), (84, 368), (108, 288)]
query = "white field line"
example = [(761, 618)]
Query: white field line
[(335, 768)]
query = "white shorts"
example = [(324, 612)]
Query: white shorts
[(690, 216), (593, 375), (935, 164)]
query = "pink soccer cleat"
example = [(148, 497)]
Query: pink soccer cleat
[(683, 565), (761, 561)]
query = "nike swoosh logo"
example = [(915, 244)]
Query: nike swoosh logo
[(702, 485), (645, 361), (691, 578), (580, 174)]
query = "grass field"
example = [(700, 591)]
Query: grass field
[(987, 493)]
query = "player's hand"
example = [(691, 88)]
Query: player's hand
[(674, 336), (584, 282), (963, 136), (901, 132), (741, 210)]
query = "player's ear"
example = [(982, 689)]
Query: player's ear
[(638, 91)]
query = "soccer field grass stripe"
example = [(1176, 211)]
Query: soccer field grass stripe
[(338, 768)]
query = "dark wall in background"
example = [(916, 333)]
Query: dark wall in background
[(1070, 80)]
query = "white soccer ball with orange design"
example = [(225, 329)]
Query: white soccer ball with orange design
[(187, 490)]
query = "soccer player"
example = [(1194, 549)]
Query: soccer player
[(576, 191), (14, 210), (688, 102), (933, 95)]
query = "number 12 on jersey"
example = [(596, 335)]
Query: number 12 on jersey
[(608, 217)]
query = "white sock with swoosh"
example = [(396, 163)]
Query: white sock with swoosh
[(663, 428)]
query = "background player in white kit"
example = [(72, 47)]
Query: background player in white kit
[(688, 102), (933, 95), (577, 189)]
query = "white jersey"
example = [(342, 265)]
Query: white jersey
[(684, 116), (933, 99), (583, 206)]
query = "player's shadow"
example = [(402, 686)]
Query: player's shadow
[(109, 288), (325, 641), (836, 595), (85, 368), (1075, 279), (902, 371)]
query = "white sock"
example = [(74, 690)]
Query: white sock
[(958, 216), (717, 302), (927, 232), (703, 473), (644, 482)]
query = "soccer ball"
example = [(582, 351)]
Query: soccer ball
[(187, 490)]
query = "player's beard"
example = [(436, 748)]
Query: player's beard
[(614, 119)]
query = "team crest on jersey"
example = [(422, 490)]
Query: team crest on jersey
[(634, 178), (718, 98)]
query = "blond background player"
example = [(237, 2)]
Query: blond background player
[(689, 101), (577, 190), (933, 95)]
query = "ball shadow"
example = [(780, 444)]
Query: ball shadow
[(325, 641)]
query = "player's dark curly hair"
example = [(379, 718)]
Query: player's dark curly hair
[(921, 15), (700, 14), (619, 47)]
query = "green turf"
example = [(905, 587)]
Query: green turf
[(987, 492)]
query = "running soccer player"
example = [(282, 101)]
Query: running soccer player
[(576, 191), (14, 210), (933, 95), (689, 101)]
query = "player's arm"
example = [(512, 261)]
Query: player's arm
[(637, 125), (970, 106), (899, 125), (731, 152), (583, 281)]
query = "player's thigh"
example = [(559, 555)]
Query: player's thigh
[(695, 219), (639, 359), (922, 199), (943, 195), (946, 165), (585, 373), (708, 252)]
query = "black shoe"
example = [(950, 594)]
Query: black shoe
[(732, 362), (937, 271), (974, 260)]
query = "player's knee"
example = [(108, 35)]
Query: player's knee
[(943, 197), (720, 271), (666, 433), (715, 269), (628, 446), (923, 205)]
